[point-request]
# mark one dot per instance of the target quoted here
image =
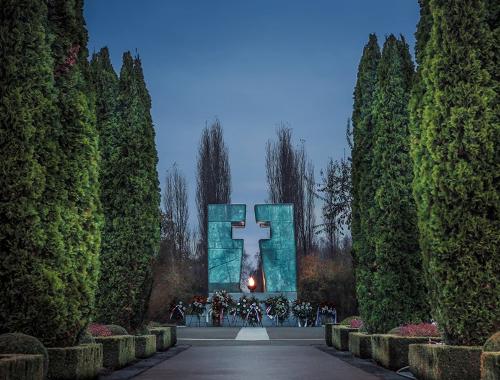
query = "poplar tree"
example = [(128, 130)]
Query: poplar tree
[(133, 208), (362, 179), (455, 151), (397, 281)]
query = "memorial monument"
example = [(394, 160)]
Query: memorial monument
[(278, 253)]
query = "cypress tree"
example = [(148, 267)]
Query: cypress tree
[(456, 154), (105, 85), (397, 281), (362, 155), (47, 282), (133, 209), (78, 172)]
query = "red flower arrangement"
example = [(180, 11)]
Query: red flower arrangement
[(356, 323), (96, 329), (419, 329)]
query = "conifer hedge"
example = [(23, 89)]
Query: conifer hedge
[(398, 288), (455, 150), (49, 208), (131, 205), (362, 181)]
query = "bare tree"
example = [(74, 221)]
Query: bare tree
[(287, 170), (176, 213), (337, 196), (213, 181)]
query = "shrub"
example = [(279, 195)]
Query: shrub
[(75, 363), (419, 329), (356, 323), (18, 366), (329, 280), (15, 343), (347, 321), (117, 330), (86, 338), (96, 329), (493, 343)]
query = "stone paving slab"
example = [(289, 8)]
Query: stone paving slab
[(255, 362)]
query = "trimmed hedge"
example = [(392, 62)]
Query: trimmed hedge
[(340, 337), (328, 334), (490, 366), (444, 362), (118, 351), (75, 363), (173, 332), (145, 345), (21, 367), (493, 343), (391, 351), (163, 337), (17, 343), (117, 330), (360, 345)]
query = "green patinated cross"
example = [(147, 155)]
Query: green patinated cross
[(224, 252), (278, 253)]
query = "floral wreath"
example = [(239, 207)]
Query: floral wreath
[(197, 306), (278, 307), (248, 308)]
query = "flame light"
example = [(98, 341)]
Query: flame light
[(251, 284)]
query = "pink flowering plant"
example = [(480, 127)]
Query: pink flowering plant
[(419, 329)]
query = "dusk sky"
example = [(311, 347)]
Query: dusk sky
[(252, 64)]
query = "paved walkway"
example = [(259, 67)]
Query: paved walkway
[(255, 363), (254, 354)]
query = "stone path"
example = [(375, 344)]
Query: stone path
[(255, 363), (257, 354)]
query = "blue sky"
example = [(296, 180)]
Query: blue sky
[(253, 64)]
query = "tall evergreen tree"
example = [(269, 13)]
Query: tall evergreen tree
[(397, 281), (456, 154), (78, 171), (51, 266), (133, 207), (362, 178)]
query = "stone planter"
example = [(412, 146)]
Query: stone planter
[(328, 334), (118, 351), (391, 351), (490, 366), (145, 346), (340, 337), (75, 363), (444, 362), (360, 345), (173, 334), (21, 367), (163, 337)]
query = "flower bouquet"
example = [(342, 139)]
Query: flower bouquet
[(221, 302), (177, 310), (197, 306), (327, 312), (303, 311), (248, 308), (277, 308)]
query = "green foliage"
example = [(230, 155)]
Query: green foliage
[(117, 330), (48, 236), (16, 343), (347, 321), (455, 150), (397, 285), (362, 180), (493, 343), (131, 201)]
